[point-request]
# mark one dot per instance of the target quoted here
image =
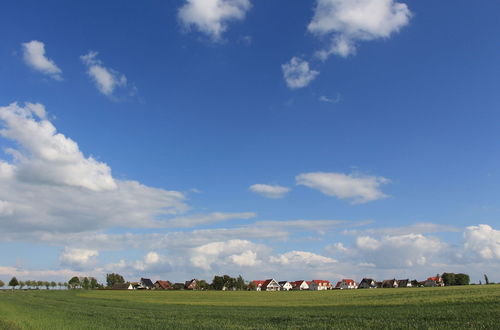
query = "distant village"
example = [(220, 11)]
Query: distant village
[(227, 283)]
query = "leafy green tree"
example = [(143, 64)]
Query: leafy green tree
[(93, 283), (39, 284), (74, 282), (202, 285), (46, 284), (53, 284), (112, 279), (240, 283), (13, 282), (86, 283), (60, 285), (251, 286), (217, 282), (2, 284), (462, 279), (448, 279), (22, 284), (66, 285)]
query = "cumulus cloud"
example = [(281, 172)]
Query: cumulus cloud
[(204, 219), (399, 251), (360, 189), (269, 191), (297, 73), (212, 16), (51, 186), (483, 241), (48, 156), (237, 252), (346, 22), (78, 258), (301, 258), (105, 79), (34, 56)]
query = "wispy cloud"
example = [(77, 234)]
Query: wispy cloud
[(34, 56), (358, 188), (269, 191), (105, 79)]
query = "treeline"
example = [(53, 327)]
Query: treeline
[(31, 284)]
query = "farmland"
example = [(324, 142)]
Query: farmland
[(474, 307)]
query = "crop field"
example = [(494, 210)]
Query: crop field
[(467, 307)]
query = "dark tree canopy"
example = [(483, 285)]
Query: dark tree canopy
[(74, 282), (1, 284), (13, 282), (113, 278)]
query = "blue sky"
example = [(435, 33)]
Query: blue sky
[(316, 139)]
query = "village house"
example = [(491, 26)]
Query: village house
[(346, 283), (163, 285), (146, 283), (390, 283), (404, 283), (285, 285), (191, 285), (367, 283), (267, 285), (434, 281), (318, 285), (300, 285)]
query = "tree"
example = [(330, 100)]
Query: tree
[(46, 284), (1, 284), (448, 278), (13, 282), (21, 284), (86, 283), (462, 279), (93, 283), (486, 280), (240, 283), (202, 285), (74, 282), (39, 284), (217, 282), (53, 284), (112, 279)]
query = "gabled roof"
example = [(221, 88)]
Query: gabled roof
[(349, 281), (258, 283), (435, 278), (298, 283), (147, 282), (164, 284), (267, 282), (283, 283), (321, 282)]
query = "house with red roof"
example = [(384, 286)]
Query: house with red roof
[(434, 281), (163, 285), (267, 285), (346, 283), (318, 285), (300, 285)]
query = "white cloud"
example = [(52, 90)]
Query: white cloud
[(34, 56), (204, 219), (418, 228), (50, 186), (212, 16), (297, 73), (237, 252), (301, 258), (106, 79), (360, 189), (78, 258), (484, 241), (399, 251), (245, 259), (332, 100), (345, 22), (49, 156), (270, 191)]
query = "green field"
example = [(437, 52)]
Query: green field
[(473, 307)]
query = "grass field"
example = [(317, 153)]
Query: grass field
[(472, 307)]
